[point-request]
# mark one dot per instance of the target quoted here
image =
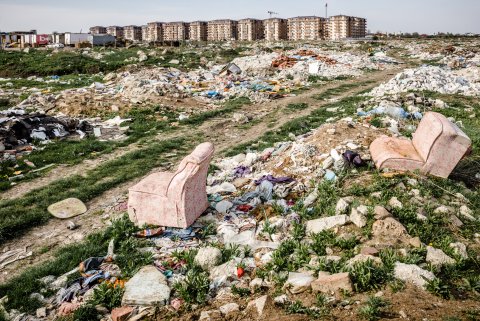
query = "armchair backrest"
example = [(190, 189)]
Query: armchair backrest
[(440, 143), (194, 166)]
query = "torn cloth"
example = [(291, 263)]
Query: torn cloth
[(274, 180)]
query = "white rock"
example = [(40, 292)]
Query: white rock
[(229, 308), (341, 207), (148, 287), (208, 257), (395, 203), (282, 299), (437, 257), (467, 213), (325, 223), (328, 163), (358, 218), (412, 273), (226, 270), (258, 305), (460, 249), (298, 282), (311, 198)]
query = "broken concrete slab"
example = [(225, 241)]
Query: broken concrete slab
[(332, 283), (67, 208), (325, 223)]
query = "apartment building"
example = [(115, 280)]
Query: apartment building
[(306, 28), (133, 33), (250, 29), (221, 30), (198, 31), (116, 31), (175, 31), (341, 27), (98, 30), (275, 29), (145, 33), (154, 32)]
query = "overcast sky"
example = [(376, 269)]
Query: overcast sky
[(424, 16)]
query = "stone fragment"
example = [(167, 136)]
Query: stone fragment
[(332, 283), (41, 312), (210, 315), (437, 257), (368, 250), (67, 208), (227, 270), (281, 299), (122, 313), (395, 203), (460, 249), (388, 227), (298, 282), (229, 308), (381, 213), (208, 257), (442, 210), (415, 242), (325, 223), (258, 305), (413, 274), (358, 218), (466, 213), (363, 258), (148, 287), (342, 206)]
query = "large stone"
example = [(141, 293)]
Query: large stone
[(67, 208), (342, 206), (208, 257), (226, 270), (229, 308), (358, 217), (437, 257), (147, 288), (298, 282), (466, 213), (395, 203), (412, 273), (325, 223), (363, 258), (258, 305), (332, 283), (388, 227)]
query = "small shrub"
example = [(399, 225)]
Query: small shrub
[(298, 308), (194, 288), (438, 287), (374, 309), (239, 291), (367, 275), (109, 295), (85, 313)]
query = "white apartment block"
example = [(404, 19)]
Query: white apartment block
[(221, 30), (341, 27), (154, 32), (198, 31), (275, 29), (98, 30), (306, 28), (175, 31), (116, 31), (250, 30), (133, 33)]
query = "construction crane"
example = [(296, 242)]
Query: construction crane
[(271, 13)]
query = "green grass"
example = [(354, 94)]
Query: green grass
[(65, 82), (19, 215), (374, 309), (67, 258)]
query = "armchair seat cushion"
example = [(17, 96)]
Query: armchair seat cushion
[(394, 153)]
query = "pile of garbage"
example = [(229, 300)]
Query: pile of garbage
[(428, 78)]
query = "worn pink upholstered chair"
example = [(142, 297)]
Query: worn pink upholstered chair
[(436, 148), (173, 199)]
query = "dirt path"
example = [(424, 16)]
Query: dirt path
[(222, 131)]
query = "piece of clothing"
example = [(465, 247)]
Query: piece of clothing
[(353, 158), (274, 180), (241, 171)]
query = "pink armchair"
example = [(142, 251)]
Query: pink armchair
[(173, 199), (436, 148)]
